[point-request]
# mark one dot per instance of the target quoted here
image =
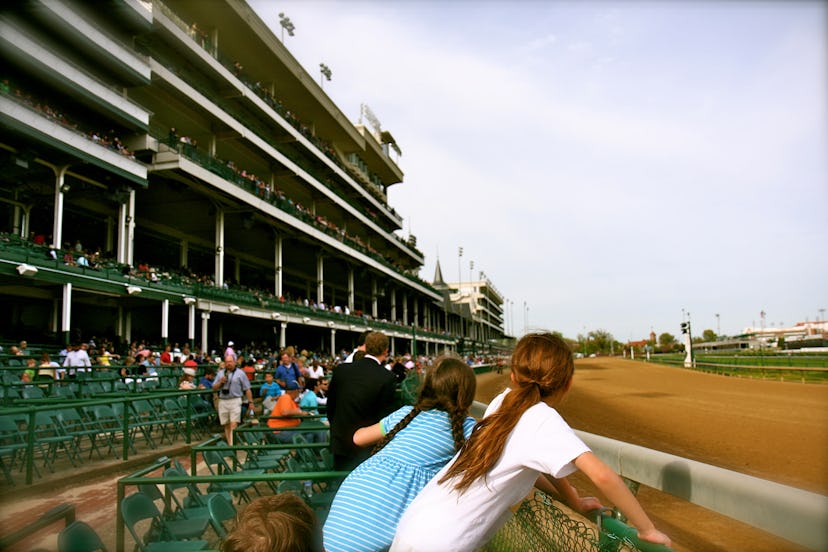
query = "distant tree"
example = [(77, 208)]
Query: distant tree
[(666, 342), (601, 341), (709, 335)]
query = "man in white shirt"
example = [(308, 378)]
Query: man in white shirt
[(77, 359)]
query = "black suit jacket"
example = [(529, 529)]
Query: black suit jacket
[(360, 394)]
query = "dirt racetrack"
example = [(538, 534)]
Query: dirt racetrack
[(768, 429)]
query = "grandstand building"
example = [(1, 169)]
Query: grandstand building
[(478, 307), (169, 172)]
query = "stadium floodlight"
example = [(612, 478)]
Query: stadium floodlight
[(287, 25), (275, 315), (233, 308), (189, 300), (133, 290), (324, 74)]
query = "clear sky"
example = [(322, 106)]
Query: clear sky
[(611, 164)]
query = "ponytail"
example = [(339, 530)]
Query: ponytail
[(542, 366)]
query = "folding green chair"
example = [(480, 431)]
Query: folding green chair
[(135, 426), (103, 417), (50, 439), (137, 508), (12, 447), (217, 465), (220, 510), (79, 537)]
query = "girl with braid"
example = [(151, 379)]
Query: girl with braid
[(413, 444), (521, 442)]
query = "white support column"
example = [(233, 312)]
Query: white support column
[(277, 261), (191, 325), (405, 309), (283, 336), (54, 320), (128, 326), (333, 342), (57, 228), (66, 313), (351, 289), (121, 251), (184, 253), (23, 219), (205, 317), (119, 322), (374, 306), (320, 279), (18, 224), (129, 239), (165, 320), (393, 347), (219, 276), (416, 312), (393, 304), (109, 240)]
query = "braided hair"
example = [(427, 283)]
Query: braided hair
[(449, 386)]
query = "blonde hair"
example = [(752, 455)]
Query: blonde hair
[(542, 367)]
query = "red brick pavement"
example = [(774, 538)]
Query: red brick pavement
[(91, 488)]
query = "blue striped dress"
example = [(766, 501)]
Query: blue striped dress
[(371, 500)]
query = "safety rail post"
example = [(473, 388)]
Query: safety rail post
[(125, 428), (188, 431), (30, 431)]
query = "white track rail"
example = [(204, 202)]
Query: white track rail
[(787, 512)]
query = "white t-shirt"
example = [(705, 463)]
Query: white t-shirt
[(440, 518)]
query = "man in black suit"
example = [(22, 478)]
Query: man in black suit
[(360, 394)]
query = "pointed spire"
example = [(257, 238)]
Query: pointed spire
[(438, 275)]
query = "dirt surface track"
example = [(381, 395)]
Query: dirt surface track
[(768, 429)]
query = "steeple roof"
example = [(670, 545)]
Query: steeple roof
[(438, 276)]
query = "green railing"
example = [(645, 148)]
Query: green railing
[(781, 366), (28, 413)]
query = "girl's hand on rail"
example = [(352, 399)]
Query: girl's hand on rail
[(655, 536), (587, 504)]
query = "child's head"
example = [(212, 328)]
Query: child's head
[(542, 369), (543, 362), (281, 522), (450, 385)]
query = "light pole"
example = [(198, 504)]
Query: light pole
[(324, 74), (718, 326), (287, 25), (525, 317), (459, 270)]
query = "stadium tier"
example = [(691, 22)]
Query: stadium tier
[(169, 171)]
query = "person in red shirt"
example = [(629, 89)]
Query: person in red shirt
[(166, 357), (249, 369)]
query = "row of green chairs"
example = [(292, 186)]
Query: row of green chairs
[(72, 432), (180, 523)]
